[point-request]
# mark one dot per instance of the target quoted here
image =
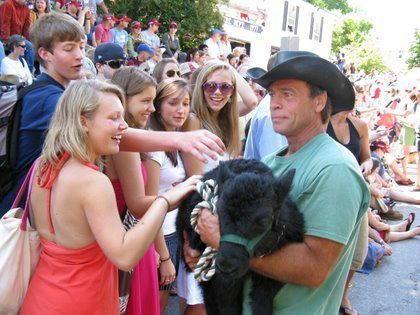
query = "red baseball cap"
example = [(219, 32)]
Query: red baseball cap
[(136, 24), (173, 23), (379, 144), (75, 3), (108, 17), (124, 18), (154, 22)]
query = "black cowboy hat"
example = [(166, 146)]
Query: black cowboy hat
[(308, 67)]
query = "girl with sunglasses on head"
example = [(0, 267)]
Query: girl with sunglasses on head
[(166, 170), (167, 68), (83, 240), (220, 96)]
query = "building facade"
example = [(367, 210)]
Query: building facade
[(267, 26)]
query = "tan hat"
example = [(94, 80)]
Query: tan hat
[(10, 78)]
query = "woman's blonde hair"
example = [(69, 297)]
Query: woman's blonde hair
[(226, 125), (66, 134), (166, 89), (132, 81)]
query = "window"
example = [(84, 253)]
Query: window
[(317, 24), (290, 17)]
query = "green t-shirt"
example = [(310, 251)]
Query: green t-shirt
[(329, 190)]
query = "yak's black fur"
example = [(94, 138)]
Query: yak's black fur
[(250, 200)]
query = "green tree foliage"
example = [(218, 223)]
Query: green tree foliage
[(195, 18), (365, 56), (340, 5), (350, 32), (413, 60)]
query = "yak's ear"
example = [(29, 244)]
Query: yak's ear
[(284, 182)]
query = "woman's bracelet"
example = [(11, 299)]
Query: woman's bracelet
[(163, 260), (166, 199)]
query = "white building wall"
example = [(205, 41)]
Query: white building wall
[(273, 35)]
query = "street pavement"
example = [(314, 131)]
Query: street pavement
[(393, 288), (394, 285)]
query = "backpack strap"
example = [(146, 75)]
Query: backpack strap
[(14, 123)]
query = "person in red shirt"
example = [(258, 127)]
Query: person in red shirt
[(15, 20), (103, 30)]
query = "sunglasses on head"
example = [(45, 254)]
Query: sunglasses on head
[(171, 73), (224, 88), (115, 64)]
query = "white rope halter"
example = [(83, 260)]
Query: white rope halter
[(205, 268)]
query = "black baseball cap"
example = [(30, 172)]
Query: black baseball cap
[(109, 51)]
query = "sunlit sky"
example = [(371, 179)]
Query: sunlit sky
[(394, 20)]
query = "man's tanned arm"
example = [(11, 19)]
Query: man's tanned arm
[(308, 263)]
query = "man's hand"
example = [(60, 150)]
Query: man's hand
[(208, 228), (191, 255), (200, 143)]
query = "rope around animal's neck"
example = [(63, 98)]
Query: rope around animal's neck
[(205, 268)]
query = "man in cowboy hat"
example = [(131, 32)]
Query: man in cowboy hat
[(328, 186)]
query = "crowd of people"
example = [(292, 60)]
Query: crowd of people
[(111, 90)]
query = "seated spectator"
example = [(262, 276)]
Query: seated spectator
[(108, 58), (198, 57), (134, 39), (15, 19), (165, 69), (233, 60), (41, 7), (204, 48), (103, 30), (149, 36), (396, 232), (238, 51), (92, 5), (186, 70), (144, 54), (119, 34), (82, 15), (213, 44), (14, 63), (225, 46), (381, 189), (243, 64), (171, 42)]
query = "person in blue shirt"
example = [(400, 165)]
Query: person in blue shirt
[(119, 34), (262, 140)]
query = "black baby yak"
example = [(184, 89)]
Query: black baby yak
[(251, 204)]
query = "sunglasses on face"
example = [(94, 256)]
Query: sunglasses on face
[(171, 73), (115, 64), (212, 87), (22, 46)]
